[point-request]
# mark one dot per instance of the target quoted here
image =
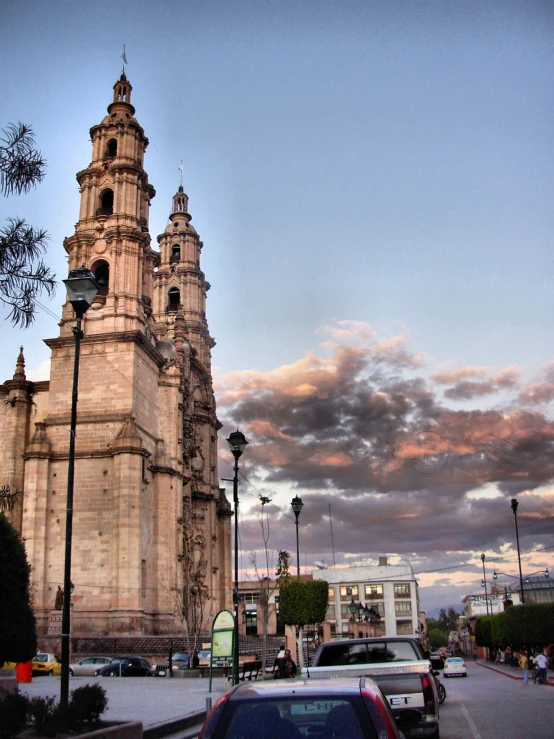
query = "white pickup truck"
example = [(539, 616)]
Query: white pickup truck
[(398, 666)]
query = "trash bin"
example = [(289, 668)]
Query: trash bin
[(24, 671)]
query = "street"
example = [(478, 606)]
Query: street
[(485, 705), (488, 705)]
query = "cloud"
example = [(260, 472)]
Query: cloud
[(474, 382), (541, 390), (358, 433)]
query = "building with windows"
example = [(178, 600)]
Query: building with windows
[(391, 591), (151, 526)]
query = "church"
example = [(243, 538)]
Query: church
[(151, 526)]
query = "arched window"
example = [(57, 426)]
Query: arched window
[(175, 253), (101, 272), (106, 203), (174, 299), (111, 150)]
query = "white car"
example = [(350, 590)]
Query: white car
[(454, 666), (88, 666)]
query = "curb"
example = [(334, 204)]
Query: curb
[(507, 674), (164, 728)]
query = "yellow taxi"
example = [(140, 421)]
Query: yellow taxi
[(46, 664)]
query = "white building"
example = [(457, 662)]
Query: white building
[(390, 590)]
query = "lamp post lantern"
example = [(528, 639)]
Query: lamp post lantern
[(237, 443), (514, 509), (297, 506), (81, 290), (485, 584)]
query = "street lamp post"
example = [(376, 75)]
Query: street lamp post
[(81, 290), (515, 577), (297, 506), (514, 509), (485, 584), (237, 443)]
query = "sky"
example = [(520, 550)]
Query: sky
[(373, 184)]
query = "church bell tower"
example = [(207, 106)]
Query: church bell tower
[(151, 525)]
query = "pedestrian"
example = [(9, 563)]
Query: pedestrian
[(287, 666), (542, 664), (524, 664)]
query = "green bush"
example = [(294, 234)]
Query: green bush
[(13, 714), (45, 715), (87, 704), (18, 640)]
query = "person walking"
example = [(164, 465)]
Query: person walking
[(524, 664), (542, 664)]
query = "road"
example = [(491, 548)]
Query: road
[(488, 705)]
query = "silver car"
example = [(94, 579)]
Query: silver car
[(88, 666)]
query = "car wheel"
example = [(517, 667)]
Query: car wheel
[(71, 673)]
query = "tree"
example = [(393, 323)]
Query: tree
[(264, 580), (18, 640), (437, 639), (303, 602), (447, 620), (23, 274), (191, 592)]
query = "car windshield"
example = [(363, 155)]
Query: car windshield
[(454, 659), (342, 717), (181, 656), (367, 653), (41, 658)]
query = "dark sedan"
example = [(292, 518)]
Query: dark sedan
[(127, 665), (292, 709)]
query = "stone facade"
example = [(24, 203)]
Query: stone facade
[(151, 527)]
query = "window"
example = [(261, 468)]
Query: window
[(101, 271), (403, 608), (347, 592), (111, 150), (374, 591), (175, 253), (174, 299), (402, 590), (251, 619), (345, 611), (379, 607), (106, 203), (404, 627), (331, 595), (330, 612)]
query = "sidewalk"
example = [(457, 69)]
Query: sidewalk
[(515, 673), (164, 705)]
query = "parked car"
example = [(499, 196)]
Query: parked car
[(351, 707), (454, 666), (204, 657), (88, 665), (127, 665), (179, 661), (46, 664)]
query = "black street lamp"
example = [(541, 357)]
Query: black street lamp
[(485, 584), (237, 443), (514, 509), (297, 506), (353, 608), (81, 290)]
